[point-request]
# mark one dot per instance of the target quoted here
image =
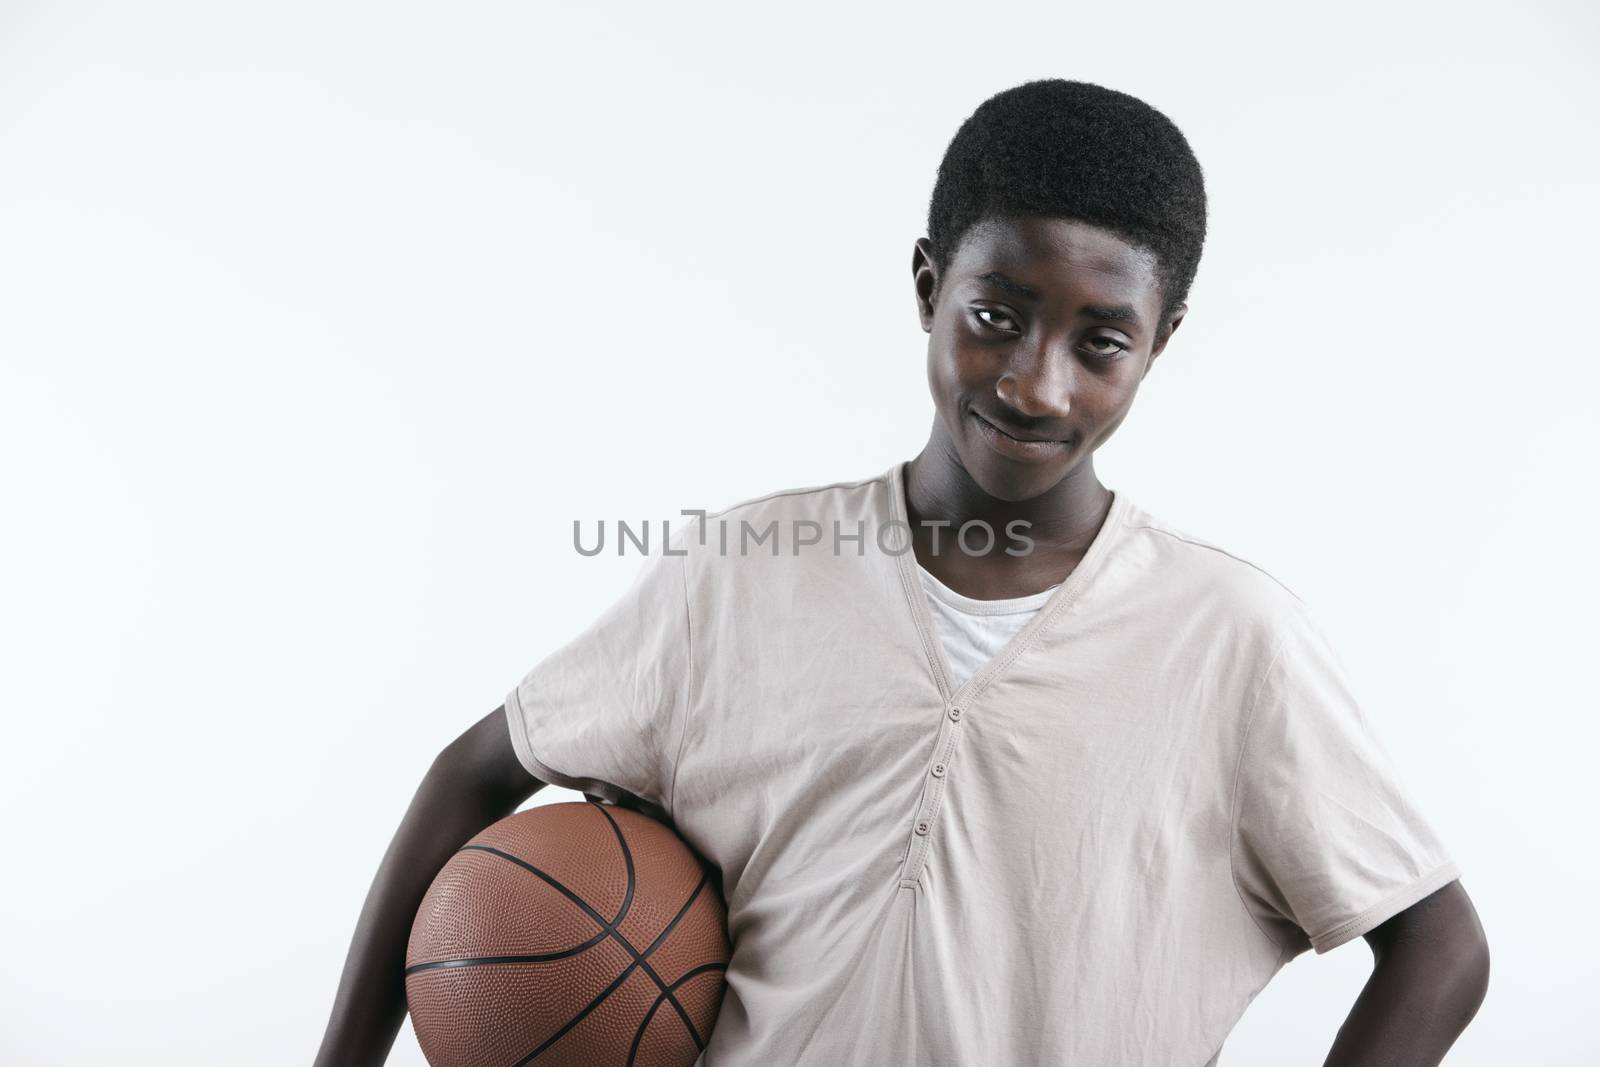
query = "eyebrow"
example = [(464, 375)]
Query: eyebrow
[(1015, 288), (1102, 312)]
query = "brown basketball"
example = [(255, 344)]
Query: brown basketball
[(568, 935)]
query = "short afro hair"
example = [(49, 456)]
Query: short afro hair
[(1070, 149)]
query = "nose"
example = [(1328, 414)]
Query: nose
[(1037, 385)]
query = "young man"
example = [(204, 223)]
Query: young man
[(996, 767)]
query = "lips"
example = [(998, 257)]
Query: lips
[(1015, 433), (1017, 449)]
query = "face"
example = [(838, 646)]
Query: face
[(1039, 334)]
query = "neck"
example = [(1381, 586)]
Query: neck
[(1064, 518)]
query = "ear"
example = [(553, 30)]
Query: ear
[(925, 278), (1168, 328)]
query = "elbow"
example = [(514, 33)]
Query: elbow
[(1470, 955), (1471, 972), (1438, 957), (1460, 973)]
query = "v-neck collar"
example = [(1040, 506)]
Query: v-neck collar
[(970, 606), (1063, 594)]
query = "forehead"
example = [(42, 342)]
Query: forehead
[(1057, 255)]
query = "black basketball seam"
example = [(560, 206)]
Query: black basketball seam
[(639, 959), (475, 961), (638, 1035), (607, 928), (661, 987), (665, 991), (576, 1019)]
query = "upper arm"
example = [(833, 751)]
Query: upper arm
[(1430, 974), (1444, 923), (1328, 842), (484, 755)]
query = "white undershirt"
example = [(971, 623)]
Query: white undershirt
[(972, 631)]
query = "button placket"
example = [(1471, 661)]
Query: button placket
[(928, 808)]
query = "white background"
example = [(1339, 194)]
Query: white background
[(320, 323)]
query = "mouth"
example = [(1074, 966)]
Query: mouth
[(1028, 448)]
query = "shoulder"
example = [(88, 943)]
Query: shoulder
[(808, 501), (1199, 577), (786, 537), (846, 500)]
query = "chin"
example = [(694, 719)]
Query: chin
[(1014, 481)]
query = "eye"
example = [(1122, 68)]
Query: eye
[(1112, 347), (998, 314)]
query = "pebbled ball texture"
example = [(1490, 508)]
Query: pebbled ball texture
[(568, 935)]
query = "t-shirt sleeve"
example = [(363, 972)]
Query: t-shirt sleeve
[(603, 714), (1327, 841)]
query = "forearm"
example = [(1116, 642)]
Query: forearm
[(1430, 976), (370, 1005)]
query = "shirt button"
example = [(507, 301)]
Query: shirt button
[(922, 828), (955, 714), (938, 770)]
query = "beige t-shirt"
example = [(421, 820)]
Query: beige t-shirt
[(1096, 850)]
